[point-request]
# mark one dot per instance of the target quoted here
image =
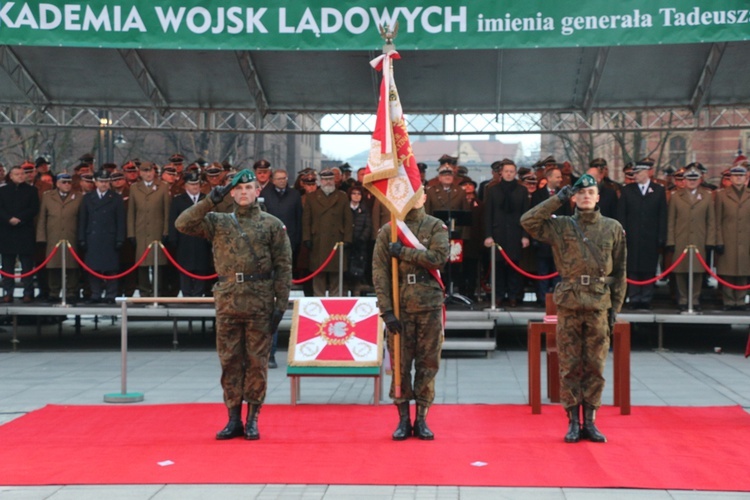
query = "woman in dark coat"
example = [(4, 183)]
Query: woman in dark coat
[(361, 233)]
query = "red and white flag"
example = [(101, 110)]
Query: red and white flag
[(336, 332), (392, 174)]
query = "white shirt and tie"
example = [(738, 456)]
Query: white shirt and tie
[(643, 187)]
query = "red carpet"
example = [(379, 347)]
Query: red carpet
[(655, 447)]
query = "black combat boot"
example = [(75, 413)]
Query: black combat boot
[(233, 428), (420, 424), (589, 430), (574, 424), (251, 429), (403, 430)]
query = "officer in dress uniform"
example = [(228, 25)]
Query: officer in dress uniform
[(253, 259), (590, 254), (420, 322)]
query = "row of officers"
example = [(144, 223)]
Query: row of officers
[(660, 218)]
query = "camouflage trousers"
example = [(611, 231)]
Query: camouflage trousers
[(243, 345), (582, 346), (421, 343)]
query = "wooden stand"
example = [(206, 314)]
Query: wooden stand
[(548, 328), (295, 373)]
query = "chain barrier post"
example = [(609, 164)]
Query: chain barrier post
[(124, 396), (155, 249), (691, 260), (64, 257), (341, 268), (493, 263)]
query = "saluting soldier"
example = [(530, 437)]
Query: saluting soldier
[(733, 237), (690, 221), (58, 220), (590, 254), (420, 324), (253, 258), (148, 220)]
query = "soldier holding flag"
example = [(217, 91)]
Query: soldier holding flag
[(407, 255)]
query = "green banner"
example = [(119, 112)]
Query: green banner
[(354, 24)]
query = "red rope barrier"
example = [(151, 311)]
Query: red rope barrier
[(104, 276), (723, 282), (183, 270), (521, 271), (662, 275), (318, 270), (36, 269)]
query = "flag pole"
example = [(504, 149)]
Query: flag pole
[(388, 36)]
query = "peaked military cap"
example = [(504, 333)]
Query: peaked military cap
[(669, 171), (345, 167), (740, 160), (598, 162), (445, 169), (27, 165), (86, 158), (585, 181), (87, 177), (243, 177), (692, 172), (422, 167), (176, 158), (737, 170), (117, 175), (63, 176), (680, 174), (193, 177), (725, 174), (261, 165), (41, 161), (103, 175), (461, 170), (326, 173), (452, 160)]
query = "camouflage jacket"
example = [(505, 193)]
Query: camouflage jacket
[(271, 252), (424, 293), (573, 257)]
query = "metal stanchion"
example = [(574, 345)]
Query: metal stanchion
[(64, 271), (155, 249), (341, 268), (691, 253), (493, 263), (124, 396), (134, 397)]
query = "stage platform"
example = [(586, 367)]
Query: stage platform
[(466, 329)]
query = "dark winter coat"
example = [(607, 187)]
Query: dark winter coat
[(644, 219), (101, 225), (288, 208), (502, 221), (191, 252), (22, 202)]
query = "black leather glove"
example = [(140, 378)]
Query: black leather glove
[(82, 245), (218, 193), (611, 319), (118, 245), (276, 319), (392, 323), (669, 248), (395, 249), (307, 244), (131, 240), (566, 193), (719, 249), (709, 248)]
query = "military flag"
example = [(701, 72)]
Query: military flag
[(392, 175), (336, 332)]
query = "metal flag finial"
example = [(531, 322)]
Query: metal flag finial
[(388, 35)]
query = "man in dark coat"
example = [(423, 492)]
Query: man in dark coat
[(642, 211), (545, 263), (193, 253), (19, 204), (607, 197), (505, 202), (285, 204), (101, 232)]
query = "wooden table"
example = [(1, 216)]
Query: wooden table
[(621, 354)]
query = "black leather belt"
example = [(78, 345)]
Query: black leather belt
[(587, 279), (412, 279), (242, 277)]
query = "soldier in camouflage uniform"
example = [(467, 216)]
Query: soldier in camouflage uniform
[(253, 258), (421, 312), (590, 254)]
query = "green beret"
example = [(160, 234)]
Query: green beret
[(586, 181), (243, 177)]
